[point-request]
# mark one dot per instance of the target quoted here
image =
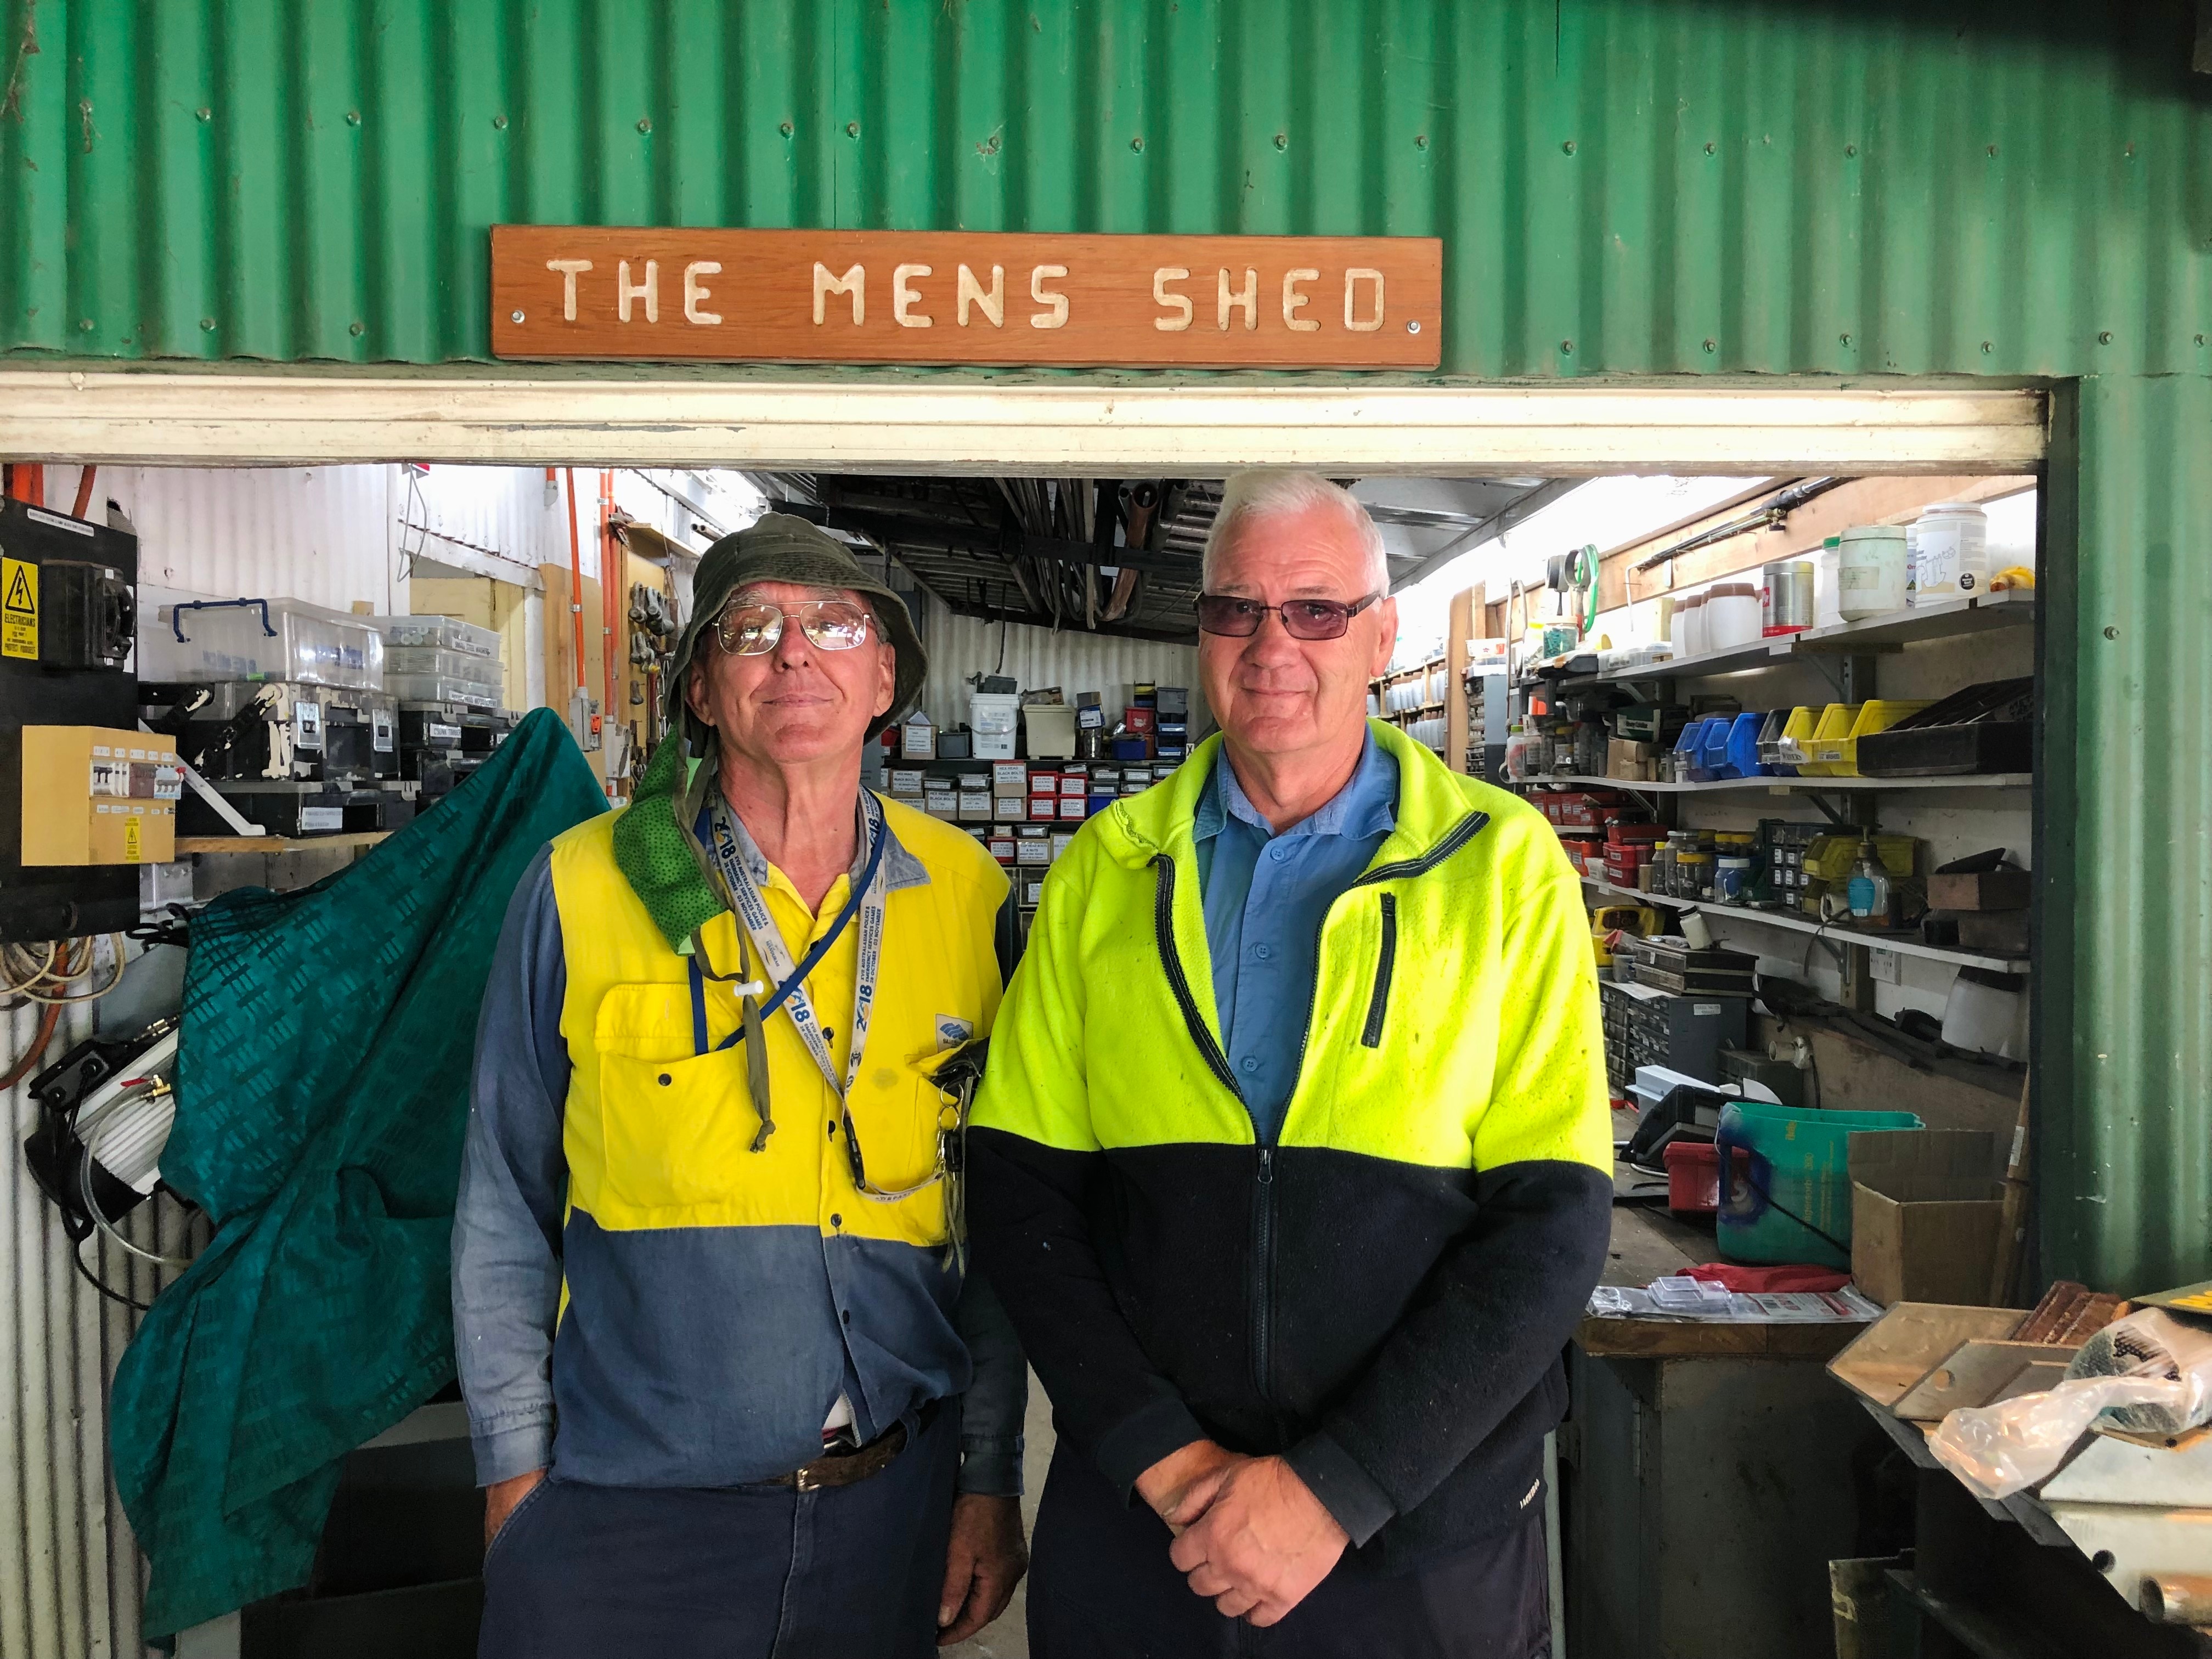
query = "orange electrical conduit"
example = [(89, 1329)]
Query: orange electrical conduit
[(84, 491)]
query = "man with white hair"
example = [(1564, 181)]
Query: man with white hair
[(1292, 1161)]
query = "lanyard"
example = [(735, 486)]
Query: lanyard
[(866, 901)]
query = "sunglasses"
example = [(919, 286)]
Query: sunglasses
[(1302, 619), (752, 627)]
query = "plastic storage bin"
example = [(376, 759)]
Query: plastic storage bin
[(1826, 751), (1987, 727), (259, 640), (420, 659), (992, 717), (1793, 1202), (446, 633), (1743, 744), (436, 688), (1051, 730)]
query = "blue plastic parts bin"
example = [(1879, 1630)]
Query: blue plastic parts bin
[(1713, 757), (1690, 751), (1743, 746)]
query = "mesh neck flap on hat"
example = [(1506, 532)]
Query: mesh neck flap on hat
[(654, 849)]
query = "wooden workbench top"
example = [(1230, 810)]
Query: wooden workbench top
[(1649, 1243)]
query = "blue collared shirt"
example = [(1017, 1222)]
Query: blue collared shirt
[(1265, 896)]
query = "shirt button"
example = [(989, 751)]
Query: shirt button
[(1263, 951), (848, 1316), (1279, 852), (1250, 1063), (829, 1036), (836, 1220), (663, 1079), (833, 1132)]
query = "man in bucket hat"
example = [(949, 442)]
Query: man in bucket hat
[(730, 1388)]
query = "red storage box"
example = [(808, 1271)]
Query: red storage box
[(1140, 719), (1623, 835), (1693, 1175)]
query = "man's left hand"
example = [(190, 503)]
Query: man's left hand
[(1261, 1546), (985, 1560)]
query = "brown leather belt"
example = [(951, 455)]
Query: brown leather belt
[(846, 1468)]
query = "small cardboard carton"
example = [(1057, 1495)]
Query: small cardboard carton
[(1925, 1213)]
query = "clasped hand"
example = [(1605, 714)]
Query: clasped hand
[(1250, 1534)]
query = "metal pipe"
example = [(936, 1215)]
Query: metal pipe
[(1768, 515), (575, 579), (610, 587), (84, 482)]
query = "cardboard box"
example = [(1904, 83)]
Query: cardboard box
[(975, 808), (1061, 840), (1010, 809), (1989, 890), (1009, 777), (917, 738), (93, 795), (906, 780), (1925, 1211), (942, 803), (1032, 891)]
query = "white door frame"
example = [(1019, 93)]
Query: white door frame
[(295, 418)]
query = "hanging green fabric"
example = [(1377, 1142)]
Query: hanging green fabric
[(323, 1091)]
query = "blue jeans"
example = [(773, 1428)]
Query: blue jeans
[(739, 1573)]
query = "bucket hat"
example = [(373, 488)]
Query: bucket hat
[(779, 548)]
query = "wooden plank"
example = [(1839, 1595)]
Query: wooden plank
[(1459, 630), (351, 842), (1654, 1339), (893, 296)]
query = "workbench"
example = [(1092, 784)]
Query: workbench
[(1709, 1473)]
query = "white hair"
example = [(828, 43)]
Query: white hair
[(1269, 493)]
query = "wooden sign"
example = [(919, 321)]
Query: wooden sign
[(950, 297)]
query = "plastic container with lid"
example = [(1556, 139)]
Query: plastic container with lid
[(1690, 627), (1732, 616), (446, 633), (1826, 579), (434, 688), (259, 640), (992, 717), (1870, 573), (1953, 547), (431, 659)]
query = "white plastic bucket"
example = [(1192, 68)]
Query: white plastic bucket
[(1954, 541), (1732, 616), (1870, 573)]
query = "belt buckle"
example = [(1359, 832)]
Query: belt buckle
[(803, 1479)]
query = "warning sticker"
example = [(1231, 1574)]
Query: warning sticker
[(134, 845), (19, 609)]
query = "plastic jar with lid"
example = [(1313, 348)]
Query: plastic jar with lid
[(1694, 872), (1733, 615), (1870, 574), (1825, 583), (1953, 544), (1690, 627)]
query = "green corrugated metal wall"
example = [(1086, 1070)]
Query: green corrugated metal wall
[(1625, 187), (1632, 185)]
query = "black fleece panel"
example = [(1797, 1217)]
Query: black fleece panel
[(1030, 1227), (1413, 1317)]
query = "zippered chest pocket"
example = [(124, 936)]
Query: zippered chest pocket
[(1386, 963)]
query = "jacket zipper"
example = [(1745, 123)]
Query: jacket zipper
[(1263, 1204), (1370, 1036)]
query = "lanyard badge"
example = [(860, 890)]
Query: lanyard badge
[(758, 930)]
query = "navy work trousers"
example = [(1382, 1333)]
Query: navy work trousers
[(1102, 1587), (741, 1572)]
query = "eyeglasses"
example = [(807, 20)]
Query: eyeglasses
[(1302, 619), (752, 627)]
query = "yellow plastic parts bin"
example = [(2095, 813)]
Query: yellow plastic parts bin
[(1796, 747), (1826, 749)]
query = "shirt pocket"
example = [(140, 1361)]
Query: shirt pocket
[(677, 1128)]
